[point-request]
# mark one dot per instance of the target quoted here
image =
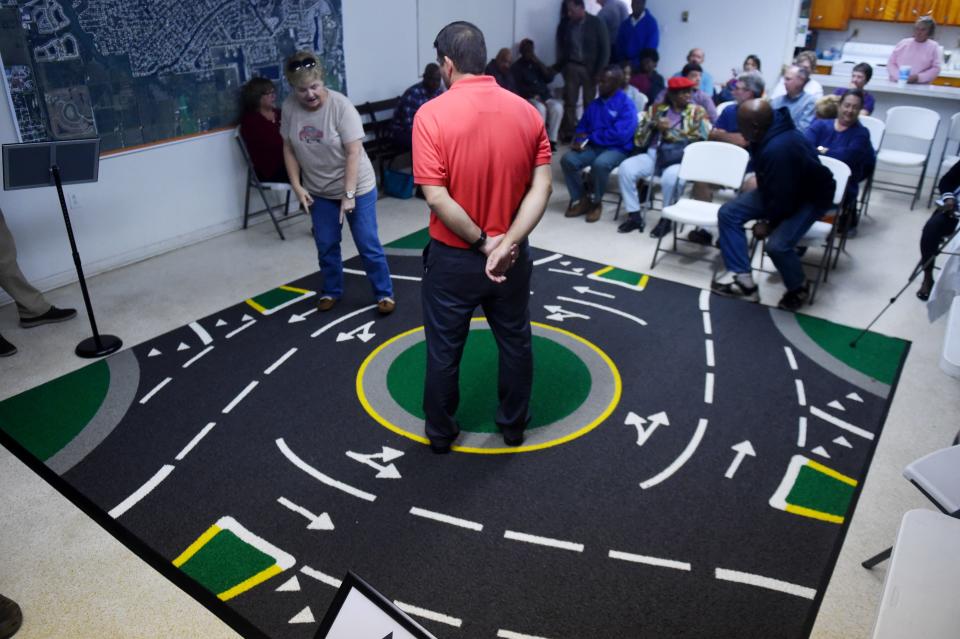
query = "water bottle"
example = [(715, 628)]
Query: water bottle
[(904, 74)]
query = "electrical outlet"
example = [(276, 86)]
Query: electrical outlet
[(73, 201)]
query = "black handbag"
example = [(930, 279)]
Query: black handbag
[(668, 154)]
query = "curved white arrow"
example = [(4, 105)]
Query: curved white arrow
[(558, 313), (643, 431), (362, 333), (323, 329), (615, 311), (684, 457), (387, 455), (743, 449)]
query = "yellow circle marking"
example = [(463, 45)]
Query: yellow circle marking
[(617, 389)]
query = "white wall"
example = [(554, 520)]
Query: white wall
[(163, 197), (727, 32)]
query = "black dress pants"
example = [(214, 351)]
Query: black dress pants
[(941, 224), (454, 285)]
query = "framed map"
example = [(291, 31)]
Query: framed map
[(136, 72)]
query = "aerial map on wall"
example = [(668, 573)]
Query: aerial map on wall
[(140, 71)]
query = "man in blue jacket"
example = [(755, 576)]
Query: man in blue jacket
[(793, 191), (603, 139), (638, 32)]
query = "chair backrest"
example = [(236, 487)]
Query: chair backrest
[(954, 132), (938, 474), (643, 104), (912, 122), (251, 174), (876, 128), (841, 174), (724, 105), (715, 163)]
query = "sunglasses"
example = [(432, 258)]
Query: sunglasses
[(295, 65)]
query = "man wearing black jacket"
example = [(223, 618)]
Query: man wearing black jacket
[(793, 191), (583, 50)]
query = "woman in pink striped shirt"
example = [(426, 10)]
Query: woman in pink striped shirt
[(919, 53)]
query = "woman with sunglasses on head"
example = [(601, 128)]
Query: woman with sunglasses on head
[(260, 129), (332, 178)]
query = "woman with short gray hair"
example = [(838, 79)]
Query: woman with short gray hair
[(917, 57)]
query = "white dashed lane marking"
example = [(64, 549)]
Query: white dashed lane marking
[(543, 541)]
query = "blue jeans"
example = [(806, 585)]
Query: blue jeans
[(780, 245), (601, 160), (363, 226)]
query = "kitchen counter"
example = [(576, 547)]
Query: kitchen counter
[(880, 85)]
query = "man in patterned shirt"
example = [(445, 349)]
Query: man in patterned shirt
[(412, 99)]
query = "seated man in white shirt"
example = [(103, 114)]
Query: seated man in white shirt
[(807, 60), (801, 104)]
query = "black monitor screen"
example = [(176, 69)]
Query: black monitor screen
[(27, 165)]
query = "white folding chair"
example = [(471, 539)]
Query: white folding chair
[(947, 161), (918, 125), (724, 105), (253, 182), (821, 232), (937, 476), (710, 162), (876, 128)]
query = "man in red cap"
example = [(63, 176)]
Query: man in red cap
[(666, 128)]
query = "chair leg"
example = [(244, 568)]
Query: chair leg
[(876, 559), (246, 205), (269, 208), (655, 251), (286, 205), (923, 174)]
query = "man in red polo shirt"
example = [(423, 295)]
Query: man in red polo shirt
[(482, 157)]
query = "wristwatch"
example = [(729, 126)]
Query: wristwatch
[(350, 194), (475, 247)]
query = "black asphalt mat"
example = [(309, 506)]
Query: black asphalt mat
[(660, 509)]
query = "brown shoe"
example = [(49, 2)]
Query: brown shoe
[(582, 206), (386, 306), (595, 212), (325, 303)]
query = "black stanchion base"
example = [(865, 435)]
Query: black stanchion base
[(90, 348)]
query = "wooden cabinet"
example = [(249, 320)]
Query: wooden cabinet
[(945, 12), (910, 10), (829, 14), (874, 9)]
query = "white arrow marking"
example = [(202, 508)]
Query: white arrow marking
[(836, 405), (643, 434), (362, 333), (743, 449), (388, 455), (842, 441), (583, 290), (558, 313), (153, 353), (685, 456), (182, 347), (302, 316), (563, 272), (855, 397), (304, 616), (290, 585), (220, 323), (615, 311), (324, 329), (317, 522)]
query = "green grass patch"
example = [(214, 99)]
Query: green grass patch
[(623, 275), (225, 561), (820, 492), (416, 240), (875, 355)]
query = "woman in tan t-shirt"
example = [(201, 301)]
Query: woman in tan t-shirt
[(332, 177)]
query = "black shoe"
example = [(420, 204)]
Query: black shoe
[(729, 286), (11, 617), (795, 299), (514, 440), (663, 227), (53, 315), (630, 225), (439, 448), (925, 288), (6, 348), (700, 236)]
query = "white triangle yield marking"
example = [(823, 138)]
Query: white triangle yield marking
[(566, 263), (246, 318), (153, 353), (579, 269), (842, 441), (182, 347), (855, 397), (304, 616), (220, 322), (836, 405), (290, 585), (820, 450)]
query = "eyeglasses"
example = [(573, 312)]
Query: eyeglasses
[(295, 65)]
